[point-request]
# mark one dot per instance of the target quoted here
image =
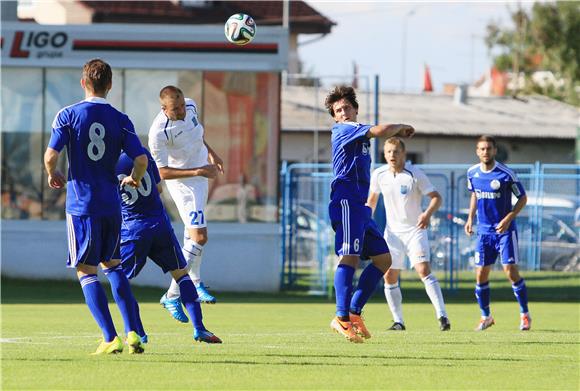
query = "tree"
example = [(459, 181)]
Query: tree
[(547, 39)]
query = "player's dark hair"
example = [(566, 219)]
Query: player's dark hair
[(487, 139), (397, 142), (97, 75), (170, 92), (338, 93)]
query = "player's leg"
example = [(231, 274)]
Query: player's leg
[(392, 290), (433, 290), (509, 259), (394, 298), (133, 259), (375, 247), (166, 253), (82, 257), (485, 256), (349, 234), (111, 265)]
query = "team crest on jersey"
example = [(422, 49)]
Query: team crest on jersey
[(365, 149), (495, 184), (404, 189)]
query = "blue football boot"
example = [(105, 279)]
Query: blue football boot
[(203, 295), (205, 336), (174, 307)]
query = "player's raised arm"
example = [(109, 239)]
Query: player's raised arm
[(390, 130)]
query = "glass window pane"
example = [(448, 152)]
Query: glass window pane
[(242, 125), (22, 143)]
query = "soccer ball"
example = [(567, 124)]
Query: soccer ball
[(240, 29)]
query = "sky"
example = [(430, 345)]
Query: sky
[(447, 36)]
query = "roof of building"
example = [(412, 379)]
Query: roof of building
[(303, 18), (532, 117)]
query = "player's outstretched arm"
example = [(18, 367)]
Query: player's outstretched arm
[(209, 171), (56, 179), (372, 201), (390, 130)]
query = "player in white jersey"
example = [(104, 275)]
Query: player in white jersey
[(185, 162), (402, 186)]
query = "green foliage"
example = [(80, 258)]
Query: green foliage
[(284, 342), (546, 39)]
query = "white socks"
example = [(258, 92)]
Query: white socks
[(192, 252), (433, 290), (395, 301)]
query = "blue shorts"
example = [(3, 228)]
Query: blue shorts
[(158, 243), (489, 245), (92, 239), (356, 231)]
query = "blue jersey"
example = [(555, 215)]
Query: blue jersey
[(94, 133), (493, 190), (141, 208), (351, 161)]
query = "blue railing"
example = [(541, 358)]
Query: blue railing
[(547, 228)]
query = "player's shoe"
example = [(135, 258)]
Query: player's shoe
[(359, 325), (113, 347), (346, 329), (174, 307), (485, 323), (397, 327), (144, 339), (203, 295), (205, 336), (525, 322), (444, 324), (133, 340)]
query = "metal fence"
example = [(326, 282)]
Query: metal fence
[(547, 227)]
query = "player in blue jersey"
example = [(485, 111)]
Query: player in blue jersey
[(94, 134), (147, 232), (357, 236), (492, 185)]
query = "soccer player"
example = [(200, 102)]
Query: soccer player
[(492, 185), (94, 134), (185, 162), (357, 236), (147, 232), (403, 185)]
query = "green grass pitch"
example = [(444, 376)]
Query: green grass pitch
[(284, 342)]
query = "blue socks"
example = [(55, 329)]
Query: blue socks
[(367, 283), (482, 295), (97, 301), (123, 296), (189, 299), (343, 288), (521, 294)]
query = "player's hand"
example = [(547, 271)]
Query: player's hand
[(209, 171), (219, 163), (406, 131), (56, 180), (129, 181), (423, 221), (503, 225), (468, 227)]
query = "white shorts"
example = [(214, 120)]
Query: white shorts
[(414, 244), (190, 198)]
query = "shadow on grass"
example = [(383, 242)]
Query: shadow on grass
[(542, 287)]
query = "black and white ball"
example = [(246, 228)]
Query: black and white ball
[(240, 29)]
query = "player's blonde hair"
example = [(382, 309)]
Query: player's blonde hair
[(170, 92), (396, 142)]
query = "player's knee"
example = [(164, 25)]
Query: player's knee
[(391, 276), (423, 269)]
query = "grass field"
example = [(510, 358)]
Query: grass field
[(284, 342)]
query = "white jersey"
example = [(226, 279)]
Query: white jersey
[(179, 144), (402, 193)]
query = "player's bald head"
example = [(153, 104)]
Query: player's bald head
[(172, 102)]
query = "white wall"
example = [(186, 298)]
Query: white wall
[(237, 257)]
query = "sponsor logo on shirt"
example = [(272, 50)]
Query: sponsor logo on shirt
[(488, 195)]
